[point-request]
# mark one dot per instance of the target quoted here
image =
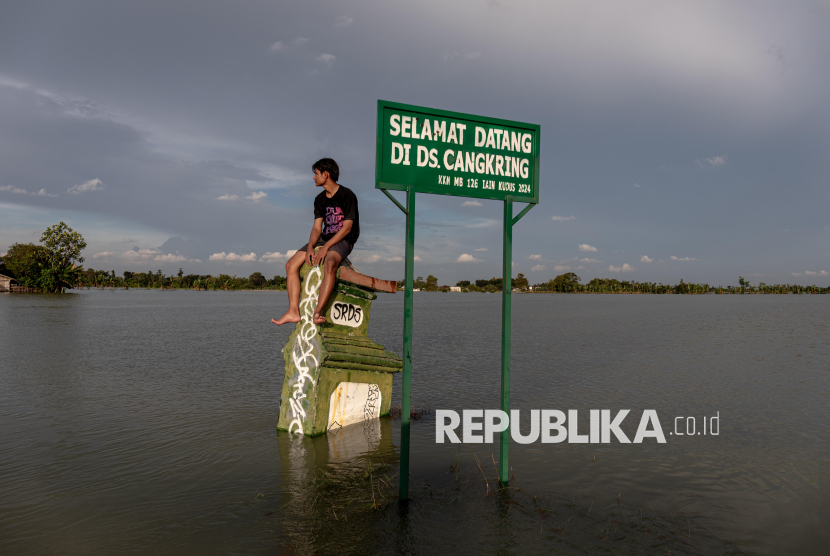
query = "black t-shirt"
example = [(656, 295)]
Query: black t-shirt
[(341, 206)]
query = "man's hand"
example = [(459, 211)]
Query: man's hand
[(320, 255), (309, 254)]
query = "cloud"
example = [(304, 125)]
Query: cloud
[(796, 273), (563, 268), (228, 197), (646, 259), (136, 255), (103, 255), (256, 196), (637, 185), (471, 203), (91, 185), (276, 46), (590, 261), (328, 59), (372, 258), (535, 257), (463, 56), (394, 259), (481, 249), (584, 247), (712, 161), (299, 41), (343, 21), (537, 268), (810, 273), (682, 259), (169, 258), (624, 268), (233, 257), (465, 258), (3, 254), (21, 191), (418, 259), (562, 218), (277, 256)]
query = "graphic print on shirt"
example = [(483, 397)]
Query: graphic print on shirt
[(334, 220)]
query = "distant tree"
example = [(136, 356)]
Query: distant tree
[(64, 246), (257, 280), (278, 282), (520, 282), (25, 262), (419, 283), (463, 283), (432, 283), (565, 283)]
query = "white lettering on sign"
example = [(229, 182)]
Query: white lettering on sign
[(346, 314)]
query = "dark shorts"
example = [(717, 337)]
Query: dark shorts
[(342, 247)]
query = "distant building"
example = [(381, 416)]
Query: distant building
[(6, 283), (455, 288)]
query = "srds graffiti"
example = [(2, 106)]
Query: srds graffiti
[(346, 314)]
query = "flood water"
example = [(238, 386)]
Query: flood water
[(144, 422)]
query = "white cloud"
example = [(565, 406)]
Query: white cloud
[(637, 185), (277, 256), (481, 249), (624, 268), (537, 268), (233, 257), (140, 255), (169, 258), (276, 46), (91, 185), (343, 21), (418, 259), (590, 261), (394, 259), (103, 255), (465, 258), (327, 59), (471, 203), (372, 258), (3, 254), (299, 41), (682, 259), (646, 259), (810, 273), (256, 196), (823, 272), (562, 218), (463, 56), (535, 257), (21, 191), (712, 161), (795, 273), (562, 268), (228, 197), (584, 247)]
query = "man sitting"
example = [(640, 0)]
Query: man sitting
[(336, 229)]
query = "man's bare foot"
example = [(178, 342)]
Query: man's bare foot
[(290, 316), (319, 319)]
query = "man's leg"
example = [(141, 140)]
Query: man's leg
[(292, 276), (330, 266)]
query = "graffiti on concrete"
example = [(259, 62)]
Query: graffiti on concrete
[(306, 349), (346, 314), (353, 402)]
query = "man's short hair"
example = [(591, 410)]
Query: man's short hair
[(327, 165)]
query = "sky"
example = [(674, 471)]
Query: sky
[(680, 140)]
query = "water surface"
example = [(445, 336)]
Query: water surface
[(144, 421)]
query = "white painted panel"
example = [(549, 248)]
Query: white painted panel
[(353, 402)]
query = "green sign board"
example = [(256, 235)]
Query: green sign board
[(450, 153)]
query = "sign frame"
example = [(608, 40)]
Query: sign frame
[(409, 267)]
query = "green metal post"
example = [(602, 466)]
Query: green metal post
[(506, 287), (406, 385)]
